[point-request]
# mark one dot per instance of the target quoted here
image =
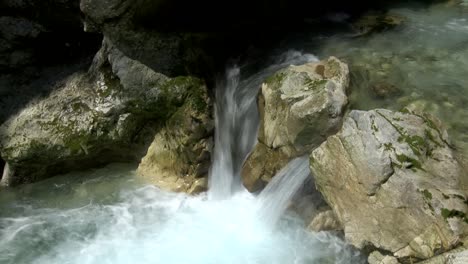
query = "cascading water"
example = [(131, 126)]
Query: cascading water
[(107, 216), (236, 119)]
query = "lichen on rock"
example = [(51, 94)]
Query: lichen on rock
[(299, 107), (395, 182), (107, 114), (180, 155)]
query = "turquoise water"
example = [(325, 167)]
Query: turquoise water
[(109, 216), (425, 59)]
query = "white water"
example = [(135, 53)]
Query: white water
[(106, 216), (236, 120)]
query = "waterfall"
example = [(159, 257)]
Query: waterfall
[(106, 216), (274, 199), (236, 120), (6, 175)]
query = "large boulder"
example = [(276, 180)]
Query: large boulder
[(128, 25), (108, 114), (180, 155), (455, 256), (299, 107), (395, 183)]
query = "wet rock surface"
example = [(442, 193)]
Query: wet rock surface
[(107, 114), (299, 107)]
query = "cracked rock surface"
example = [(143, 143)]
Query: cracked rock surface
[(299, 107), (108, 114), (395, 183)]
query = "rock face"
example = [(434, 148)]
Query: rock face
[(325, 221), (294, 104), (395, 183), (377, 258), (456, 256), (105, 115), (128, 25), (179, 157)]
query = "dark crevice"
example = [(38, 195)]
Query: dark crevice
[(2, 166)]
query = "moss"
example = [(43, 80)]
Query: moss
[(446, 213), (413, 163), (80, 107), (275, 79), (173, 94), (430, 123), (427, 194), (389, 147), (415, 142), (405, 110), (397, 128), (373, 126), (314, 84), (431, 137)]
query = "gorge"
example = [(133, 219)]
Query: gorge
[(301, 133)]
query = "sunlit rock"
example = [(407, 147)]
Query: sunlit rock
[(395, 183), (325, 221), (299, 107), (181, 152), (108, 114), (377, 258)]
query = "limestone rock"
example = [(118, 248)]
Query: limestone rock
[(394, 182), (377, 258), (375, 22), (299, 107), (456, 256), (325, 221), (105, 115), (180, 153), (167, 52)]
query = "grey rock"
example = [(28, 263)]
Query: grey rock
[(325, 221), (377, 258), (394, 182), (299, 107), (108, 114), (456, 256), (179, 156)]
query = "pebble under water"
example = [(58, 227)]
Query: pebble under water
[(107, 216)]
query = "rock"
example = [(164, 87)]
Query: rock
[(456, 256), (394, 182), (170, 52), (377, 258), (374, 22), (384, 89), (299, 107), (325, 221), (108, 114), (180, 152), (422, 105)]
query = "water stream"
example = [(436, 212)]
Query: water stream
[(110, 216)]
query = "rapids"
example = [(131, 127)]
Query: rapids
[(110, 216)]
